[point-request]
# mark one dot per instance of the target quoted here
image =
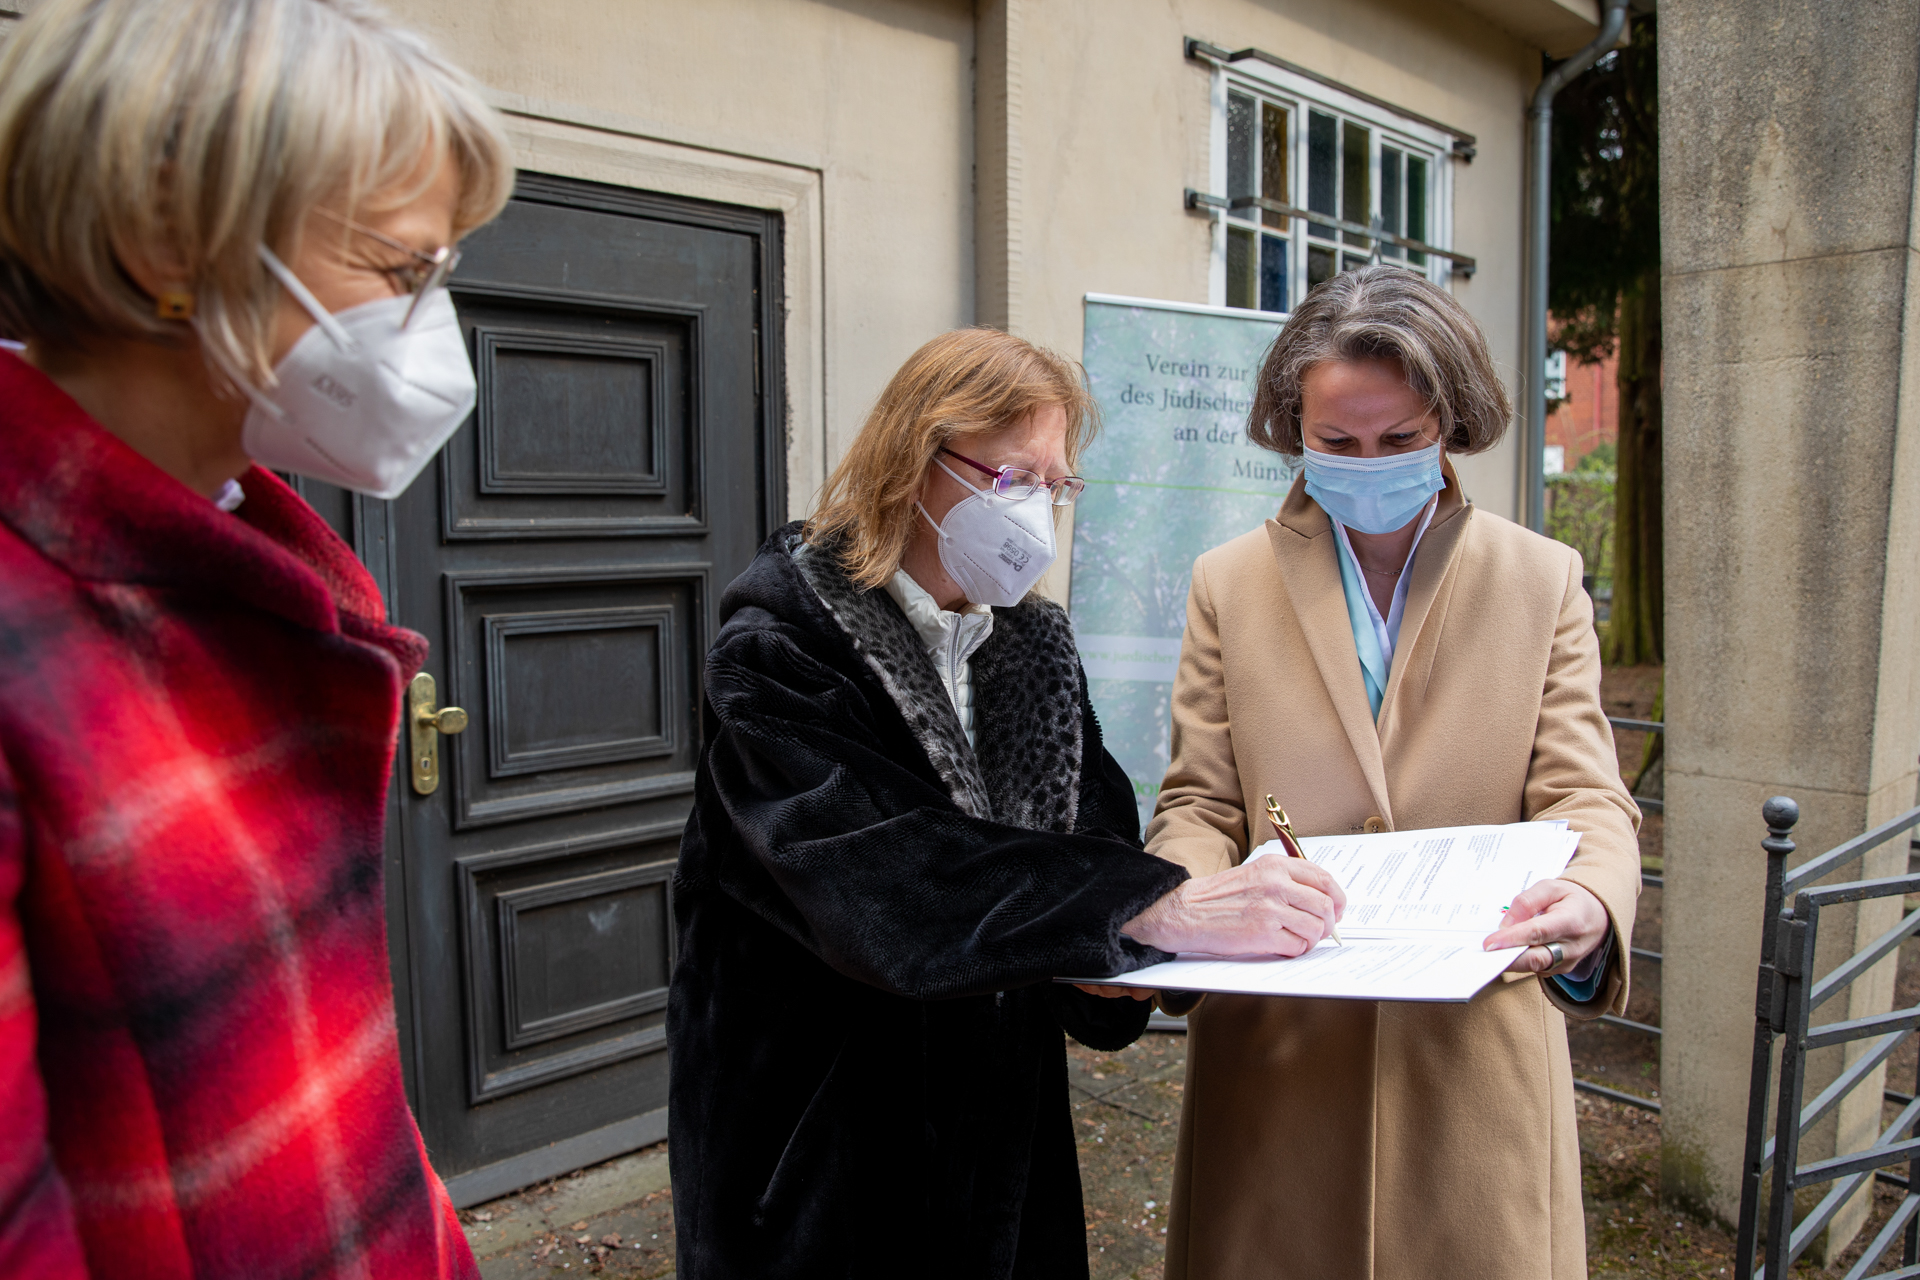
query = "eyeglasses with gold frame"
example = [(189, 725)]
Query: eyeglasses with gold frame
[(419, 277)]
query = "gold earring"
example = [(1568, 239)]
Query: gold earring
[(174, 304)]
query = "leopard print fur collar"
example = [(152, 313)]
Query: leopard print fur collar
[(1028, 698)]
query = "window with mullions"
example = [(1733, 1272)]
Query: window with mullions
[(1288, 157), (1257, 259)]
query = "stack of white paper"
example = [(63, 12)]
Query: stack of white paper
[(1419, 905)]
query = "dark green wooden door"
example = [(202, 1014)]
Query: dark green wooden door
[(565, 556)]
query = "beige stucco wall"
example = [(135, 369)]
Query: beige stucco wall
[(873, 101), (878, 100), (858, 119), (1116, 126)]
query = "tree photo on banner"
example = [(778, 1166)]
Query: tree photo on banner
[(1170, 475)]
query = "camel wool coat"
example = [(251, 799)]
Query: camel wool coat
[(1363, 1140)]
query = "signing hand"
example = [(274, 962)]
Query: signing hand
[(1271, 906), (1551, 911)]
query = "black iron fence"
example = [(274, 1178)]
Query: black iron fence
[(1648, 804), (1650, 880), (1788, 994)]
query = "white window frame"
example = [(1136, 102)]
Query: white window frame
[(1300, 94)]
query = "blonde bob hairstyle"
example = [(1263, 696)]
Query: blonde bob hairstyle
[(965, 383), (186, 133), (1385, 313)]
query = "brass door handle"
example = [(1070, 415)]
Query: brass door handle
[(446, 719), (425, 724)]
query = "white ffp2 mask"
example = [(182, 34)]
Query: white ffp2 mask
[(362, 402), (995, 548)]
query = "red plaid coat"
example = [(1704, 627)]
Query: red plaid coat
[(199, 1073)]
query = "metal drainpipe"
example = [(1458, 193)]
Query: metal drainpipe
[(1613, 21)]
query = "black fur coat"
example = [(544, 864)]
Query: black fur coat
[(868, 1073)]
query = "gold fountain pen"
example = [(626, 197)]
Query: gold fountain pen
[(1283, 827)]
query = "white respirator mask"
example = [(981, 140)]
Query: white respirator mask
[(995, 548), (366, 397)]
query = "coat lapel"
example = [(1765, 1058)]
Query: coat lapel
[(1304, 546), (1028, 697), (1425, 612)]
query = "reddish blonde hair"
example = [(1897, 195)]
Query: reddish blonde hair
[(965, 383)]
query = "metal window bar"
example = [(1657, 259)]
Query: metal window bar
[(1463, 264), (1465, 145), (1787, 994)]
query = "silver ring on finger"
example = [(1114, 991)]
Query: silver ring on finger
[(1559, 954)]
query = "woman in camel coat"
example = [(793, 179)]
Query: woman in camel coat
[(1355, 1140)]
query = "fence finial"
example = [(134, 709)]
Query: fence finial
[(1781, 814)]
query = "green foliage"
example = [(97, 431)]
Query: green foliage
[(1605, 456), (1605, 193), (1580, 514)]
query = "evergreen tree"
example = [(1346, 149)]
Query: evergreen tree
[(1604, 290)]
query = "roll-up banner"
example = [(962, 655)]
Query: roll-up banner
[(1171, 474)]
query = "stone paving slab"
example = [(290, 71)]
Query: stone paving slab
[(1126, 1110), (615, 1219), (1126, 1117)]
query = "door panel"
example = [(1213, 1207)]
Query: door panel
[(565, 556), (617, 451), (567, 949), (587, 679)]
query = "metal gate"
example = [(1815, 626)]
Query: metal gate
[(1784, 1005)]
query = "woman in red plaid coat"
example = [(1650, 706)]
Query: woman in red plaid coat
[(224, 228)]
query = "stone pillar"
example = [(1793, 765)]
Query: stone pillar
[(1792, 456)]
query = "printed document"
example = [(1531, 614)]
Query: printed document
[(1419, 904)]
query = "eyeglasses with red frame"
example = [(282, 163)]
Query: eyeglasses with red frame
[(1019, 484)]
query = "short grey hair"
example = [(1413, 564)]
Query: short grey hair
[(1385, 313), (189, 132)]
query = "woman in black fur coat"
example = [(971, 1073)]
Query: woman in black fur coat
[(904, 825)]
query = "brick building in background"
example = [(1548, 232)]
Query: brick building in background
[(1587, 418)]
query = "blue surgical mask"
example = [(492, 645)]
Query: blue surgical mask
[(1374, 495)]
